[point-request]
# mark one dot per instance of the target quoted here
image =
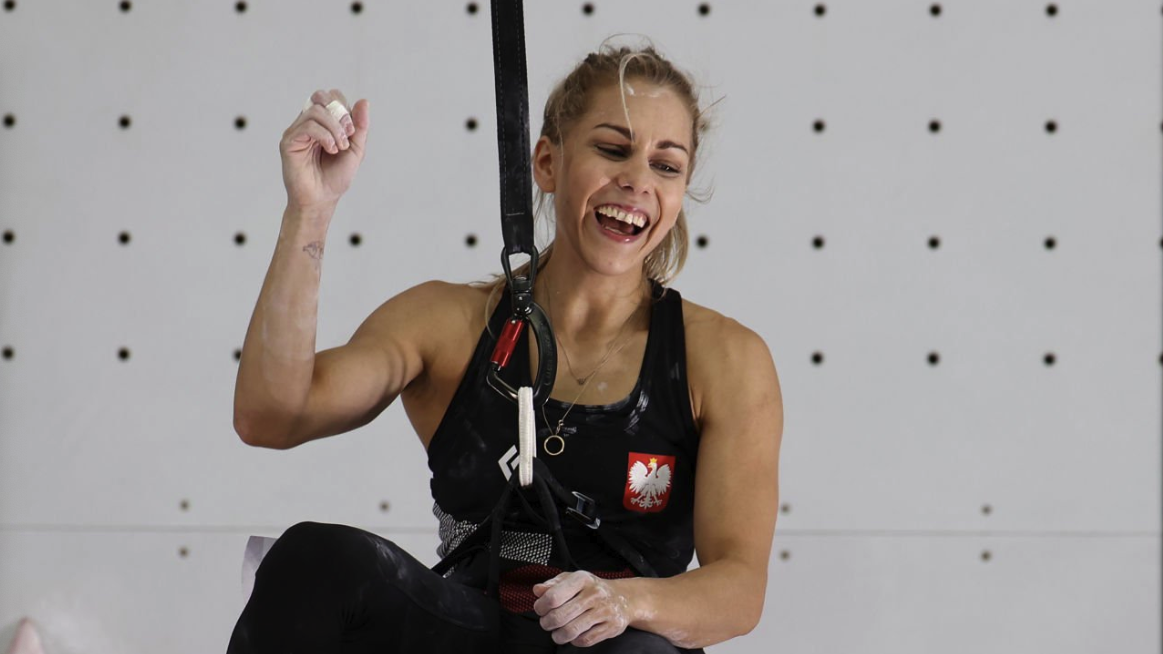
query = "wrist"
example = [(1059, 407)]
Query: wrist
[(314, 213), (637, 600)]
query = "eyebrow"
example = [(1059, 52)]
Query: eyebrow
[(625, 132)]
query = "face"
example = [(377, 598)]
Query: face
[(599, 166)]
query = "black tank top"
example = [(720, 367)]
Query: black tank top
[(635, 457)]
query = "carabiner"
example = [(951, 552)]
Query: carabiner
[(525, 310)]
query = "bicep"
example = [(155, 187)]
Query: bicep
[(353, 383)]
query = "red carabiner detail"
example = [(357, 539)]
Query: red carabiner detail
[(507, 342)]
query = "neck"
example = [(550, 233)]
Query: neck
[(588, 308)]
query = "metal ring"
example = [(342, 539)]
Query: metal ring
[(545, 445)]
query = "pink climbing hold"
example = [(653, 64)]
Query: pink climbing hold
[(27, 641)]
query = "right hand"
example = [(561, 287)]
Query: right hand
[(320, 154)]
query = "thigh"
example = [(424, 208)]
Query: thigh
[(339, 589)]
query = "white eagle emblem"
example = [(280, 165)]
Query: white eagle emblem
[(648, 484)]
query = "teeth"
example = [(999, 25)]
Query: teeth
[(615, 212)]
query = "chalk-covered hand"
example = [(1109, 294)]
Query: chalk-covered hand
[(581, 608), (321, 151)]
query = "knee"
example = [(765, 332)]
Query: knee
[(305, 544), (307, 535), (337, 546)]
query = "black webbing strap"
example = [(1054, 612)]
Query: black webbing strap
[(512, 93), (513, 126)]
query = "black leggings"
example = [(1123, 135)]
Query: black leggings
[(331, 589)]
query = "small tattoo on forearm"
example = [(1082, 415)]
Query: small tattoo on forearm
[(314, 250)]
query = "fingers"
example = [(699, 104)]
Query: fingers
[(360, 116), (563, 615), (585, 623), (348, 122), (561, 589), (337, 128), (579, 607), (594, 635)]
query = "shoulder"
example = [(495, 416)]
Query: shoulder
[(433, 315), (724, 357), (455, 302)]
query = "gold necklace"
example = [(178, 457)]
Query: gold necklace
[(584, 381)]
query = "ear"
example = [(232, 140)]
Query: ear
[(544, 165)]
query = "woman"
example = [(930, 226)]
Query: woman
[(652, 384)]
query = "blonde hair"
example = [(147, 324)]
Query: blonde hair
[(570, 100)]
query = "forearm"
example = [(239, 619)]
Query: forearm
[(278, 355), (698, 608)]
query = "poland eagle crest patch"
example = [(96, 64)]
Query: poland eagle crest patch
[(648, 482)]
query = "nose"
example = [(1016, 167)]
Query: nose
[(634, 175)]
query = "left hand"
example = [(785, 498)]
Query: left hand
[(581, 608)]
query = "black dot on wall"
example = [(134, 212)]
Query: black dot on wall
[(184, 505), (9, 5), (1052, 10), (385, 506), (934, 126), (1160, 358), (124, 238), (183, 552), (1049, 359), (240, 122), (1051, 243), (356, 7), (935, 10), (784, 555), (704, 9), (10, 236), (934, 242), (471, 240), (240, 7), (240, 239), (986, 556), (821, 10), (986, 510), (785, 508), (471, 8), (817, 358), (8, 352), (356, 239), (238, 355), (702, 241), (470, 124), (124, 121), (934, 358), (818, 242), (588, 8), (1051, 126), (123, 354), (818, 125), (9, 120), (126, 5)]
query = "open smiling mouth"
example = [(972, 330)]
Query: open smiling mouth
[(619, 222)]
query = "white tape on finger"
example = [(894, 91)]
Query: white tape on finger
[(335, 107)]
